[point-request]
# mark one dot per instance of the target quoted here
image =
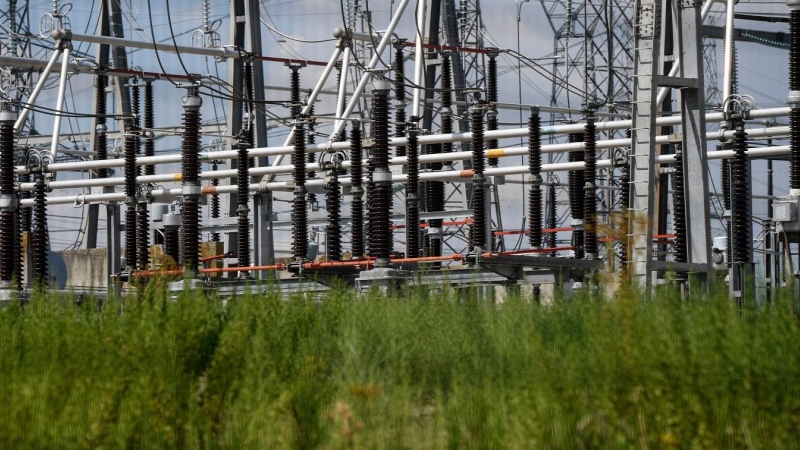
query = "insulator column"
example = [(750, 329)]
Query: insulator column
[(480, 221), (149, 124), (576, 200), (299, 210), (412, 192), (249, 119), (40, 233), (190, 163), (9, 221), (311, 157), (333, 204), (100, 141), (794, 90), (172, 233), (590, 188), (357, 192), (725, 167), (679, 207), (243, 207), (492, 97), (294, 87), (625, 204), (213, 203), (552, 215), (399, 94), (742, 246), (380, 202), (447, 105), (535, 179), (130, 199)]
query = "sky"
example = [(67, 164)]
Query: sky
[(763, 71)]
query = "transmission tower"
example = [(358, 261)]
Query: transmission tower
[(15, 83)]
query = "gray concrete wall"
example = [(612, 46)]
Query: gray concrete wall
[(86, 268)]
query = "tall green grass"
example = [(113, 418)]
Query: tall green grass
[(419, 370)]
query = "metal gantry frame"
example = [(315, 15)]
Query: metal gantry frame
[(382, 266)]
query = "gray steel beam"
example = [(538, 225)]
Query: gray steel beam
[(647, 27), (698, 231), (101, 55)]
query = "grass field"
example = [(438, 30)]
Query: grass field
[(421, 370)]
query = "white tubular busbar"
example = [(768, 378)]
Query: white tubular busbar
[(62, 89), (365, 79), (451, 176), (224, 52), (419, 60), (760, 133), (438, 138)]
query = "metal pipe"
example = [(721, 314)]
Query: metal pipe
[(451, 176), (423, 159), (340, 100), (224, 52), (36, 90), (728, 66), (423, 140), (62, 89), (419, 60), (365, 79)]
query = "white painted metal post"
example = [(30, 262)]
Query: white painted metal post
[(365, 79), (62, 88), (419, 60), (36, 90), (728, 74)]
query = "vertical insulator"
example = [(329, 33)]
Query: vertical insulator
[(250, 117), (130, 198), (399, 94), (434, 201), (679, 206), (214, 206), (492, 96), (480, 221), (535, 169), (447, 102), (725, 167), (100, 141), (311, 157), (9, 219), (143, 236), (190, 164), (333, 204), (412, 192), (40, 233), (357, 191), (794, 91), (294, 86), (243, 207), (590, 180), (299, 210), (380, 201), (576, 201), (740, 198), (552, 216), (172, 240), (625, 203), (149, 123)]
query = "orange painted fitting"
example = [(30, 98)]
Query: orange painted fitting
[(466, 174)]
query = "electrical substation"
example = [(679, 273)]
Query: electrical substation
[(398, 159)]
